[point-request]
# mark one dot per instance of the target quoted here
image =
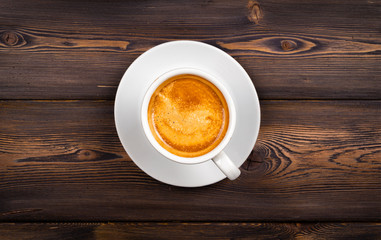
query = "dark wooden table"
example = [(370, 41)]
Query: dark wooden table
[(315, 171)]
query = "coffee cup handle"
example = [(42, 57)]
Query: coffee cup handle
[(226, 165)]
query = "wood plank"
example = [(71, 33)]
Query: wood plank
[(291, 49), (162, 230), (62, 160)]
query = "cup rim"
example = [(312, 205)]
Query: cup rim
[(147, 131)]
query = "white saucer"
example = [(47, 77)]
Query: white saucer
[(160, 59)]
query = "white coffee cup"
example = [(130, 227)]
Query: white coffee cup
[(223, 162)]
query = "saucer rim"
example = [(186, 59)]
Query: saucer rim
[(120, 89)]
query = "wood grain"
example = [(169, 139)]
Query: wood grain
[(115, 231), (291, 49), (62, 160)]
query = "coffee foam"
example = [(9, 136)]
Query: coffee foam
[(188, 115)]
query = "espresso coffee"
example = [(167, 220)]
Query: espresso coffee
[(188, 115)]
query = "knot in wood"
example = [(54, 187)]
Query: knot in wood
[(288, 45), (9, 38), (86, 155), (254, 11), (256, 158)]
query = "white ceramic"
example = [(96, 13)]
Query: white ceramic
[(159, 60), (217, 155)]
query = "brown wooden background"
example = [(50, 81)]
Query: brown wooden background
[(315, 172)]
